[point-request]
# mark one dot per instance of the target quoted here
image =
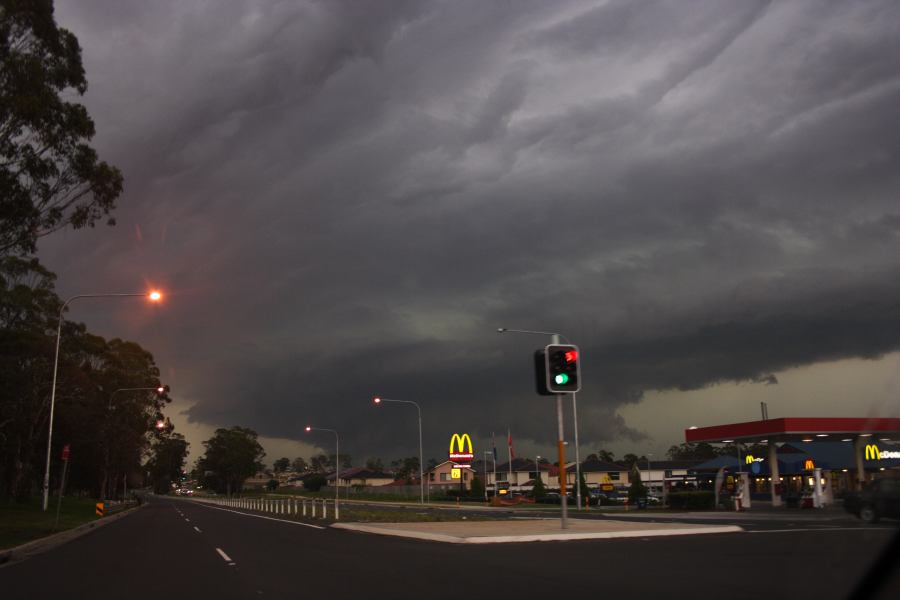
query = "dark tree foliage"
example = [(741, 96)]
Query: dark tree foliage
[(232, 455), (701, 451), (605, 455), (167, 456), (477, 487), (108, 433), (314, 482), (540, 489), (50, 177), (27, 308), (637, 489), (281, 464)]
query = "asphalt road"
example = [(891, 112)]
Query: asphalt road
[(181, 549)]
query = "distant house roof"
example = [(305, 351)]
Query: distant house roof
[(361, 473), (523, 465), (671, 465), (601, 466)]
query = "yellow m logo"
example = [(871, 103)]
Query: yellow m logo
[(872, 452), (749, 460), (462, 443), (809, 465)]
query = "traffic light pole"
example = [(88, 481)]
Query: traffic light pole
[(563, 499), (562, 464)]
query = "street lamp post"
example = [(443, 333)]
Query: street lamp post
[(337, 467), (160, 389), (154, 296), (494, 463), (555, 338), (379, 400)]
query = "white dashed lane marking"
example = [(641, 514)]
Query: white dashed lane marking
[(225, 557)]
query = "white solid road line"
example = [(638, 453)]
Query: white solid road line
[(225, 556), (197, 529), (819, 529)]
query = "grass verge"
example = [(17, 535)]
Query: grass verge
[(22, 522)]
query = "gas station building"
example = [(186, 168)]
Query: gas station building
[(871, 447)]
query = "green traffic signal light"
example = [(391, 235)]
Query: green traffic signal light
[(561, 379)]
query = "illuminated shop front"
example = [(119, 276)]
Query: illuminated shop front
[(843, 453)]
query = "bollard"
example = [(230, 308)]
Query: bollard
[(324, 509), (304, 507)]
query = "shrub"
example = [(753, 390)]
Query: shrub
[(314, 482), (692, 500)]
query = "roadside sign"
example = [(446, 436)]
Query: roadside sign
[(454, 473), (65, 452), (98, 509)]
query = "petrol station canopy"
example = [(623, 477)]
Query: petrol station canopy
[(793, 429)]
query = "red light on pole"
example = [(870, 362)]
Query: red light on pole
[(377, 400), (308, 428), (571, 356)]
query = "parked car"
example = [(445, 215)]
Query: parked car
[(881, 498)]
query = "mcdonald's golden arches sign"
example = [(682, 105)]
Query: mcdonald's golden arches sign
[(461, 452), (872, 452)]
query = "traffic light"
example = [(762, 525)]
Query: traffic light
[(540, 372), (562, 368)]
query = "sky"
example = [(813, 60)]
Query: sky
[(347, 199)]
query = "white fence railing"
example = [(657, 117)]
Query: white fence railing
[(315, 508)]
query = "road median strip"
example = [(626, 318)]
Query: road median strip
[(537, 530)]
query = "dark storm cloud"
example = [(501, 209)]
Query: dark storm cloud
[(349, 199)]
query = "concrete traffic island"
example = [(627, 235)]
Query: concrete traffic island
[(531, 530)]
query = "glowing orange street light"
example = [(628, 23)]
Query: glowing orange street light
[(378, 400), (153, 295)]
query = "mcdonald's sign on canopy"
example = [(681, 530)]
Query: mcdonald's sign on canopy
[(872, 452), (809, 465), (461, 449)]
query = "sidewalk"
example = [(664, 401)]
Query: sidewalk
[(757, 512), (531, 530)]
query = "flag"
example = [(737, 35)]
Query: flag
[(512, 452), (494, 444)]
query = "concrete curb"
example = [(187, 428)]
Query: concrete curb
[(540, 537), (40, 545)]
